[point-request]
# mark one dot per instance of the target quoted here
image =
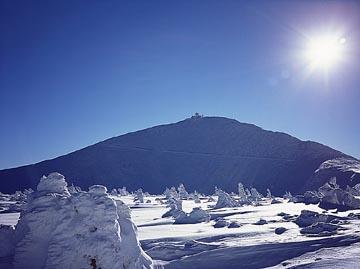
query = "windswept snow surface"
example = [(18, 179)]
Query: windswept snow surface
[(200, 245)]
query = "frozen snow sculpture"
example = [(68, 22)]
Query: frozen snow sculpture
[(275, 201), (53, 183), (139, 196), (248, 193), (333, 197), (197, 215), (85, 230), (225, 200), (288, 196), (175, 208), (242, 193), (255, 195), (114, 192), (72, 189), (268, 194), (123, 191), (196, 198), (183, 194), (171, 193)]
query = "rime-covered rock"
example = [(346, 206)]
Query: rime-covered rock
[(320, 229), (234, 224), (261, 222), (221, 223), (332, 196), (85, 230), (312, 197), (308, 218), (280, 230)]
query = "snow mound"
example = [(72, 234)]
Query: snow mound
[(98, 190), (53, 183), (197, 215), (84, 230)]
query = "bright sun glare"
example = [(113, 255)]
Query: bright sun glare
[(323, 52)]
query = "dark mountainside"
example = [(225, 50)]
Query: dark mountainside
[(199, 152)]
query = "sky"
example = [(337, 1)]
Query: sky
[(73, 73)]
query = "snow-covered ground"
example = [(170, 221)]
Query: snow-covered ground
[(201, 245)]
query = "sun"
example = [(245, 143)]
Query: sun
[(324, 51)]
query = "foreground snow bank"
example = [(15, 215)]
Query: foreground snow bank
[(83, 230)]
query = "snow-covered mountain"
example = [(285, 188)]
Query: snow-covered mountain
[(201, 152)]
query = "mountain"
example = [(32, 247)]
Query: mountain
[(201, 152)]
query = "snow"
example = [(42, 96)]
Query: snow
[(53, 183), (343, 164), (84, 230), (187, 243)]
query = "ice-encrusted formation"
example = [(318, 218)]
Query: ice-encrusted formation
[(114, 192), (197, 215), (268, 194), (255, 195), (84, 230), (225, 200), (171, 193), (196, 198), (175, 208), (53, 183), (242, 193), (122, 191), (183, 194), (332, 196), (139, 196)]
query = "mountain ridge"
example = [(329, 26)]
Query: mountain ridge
[(224, 150)]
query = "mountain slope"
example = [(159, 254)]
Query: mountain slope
[(199, 152)]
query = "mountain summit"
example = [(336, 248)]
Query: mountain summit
[(201, 152)]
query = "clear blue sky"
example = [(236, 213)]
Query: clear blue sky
[(73, 73)]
